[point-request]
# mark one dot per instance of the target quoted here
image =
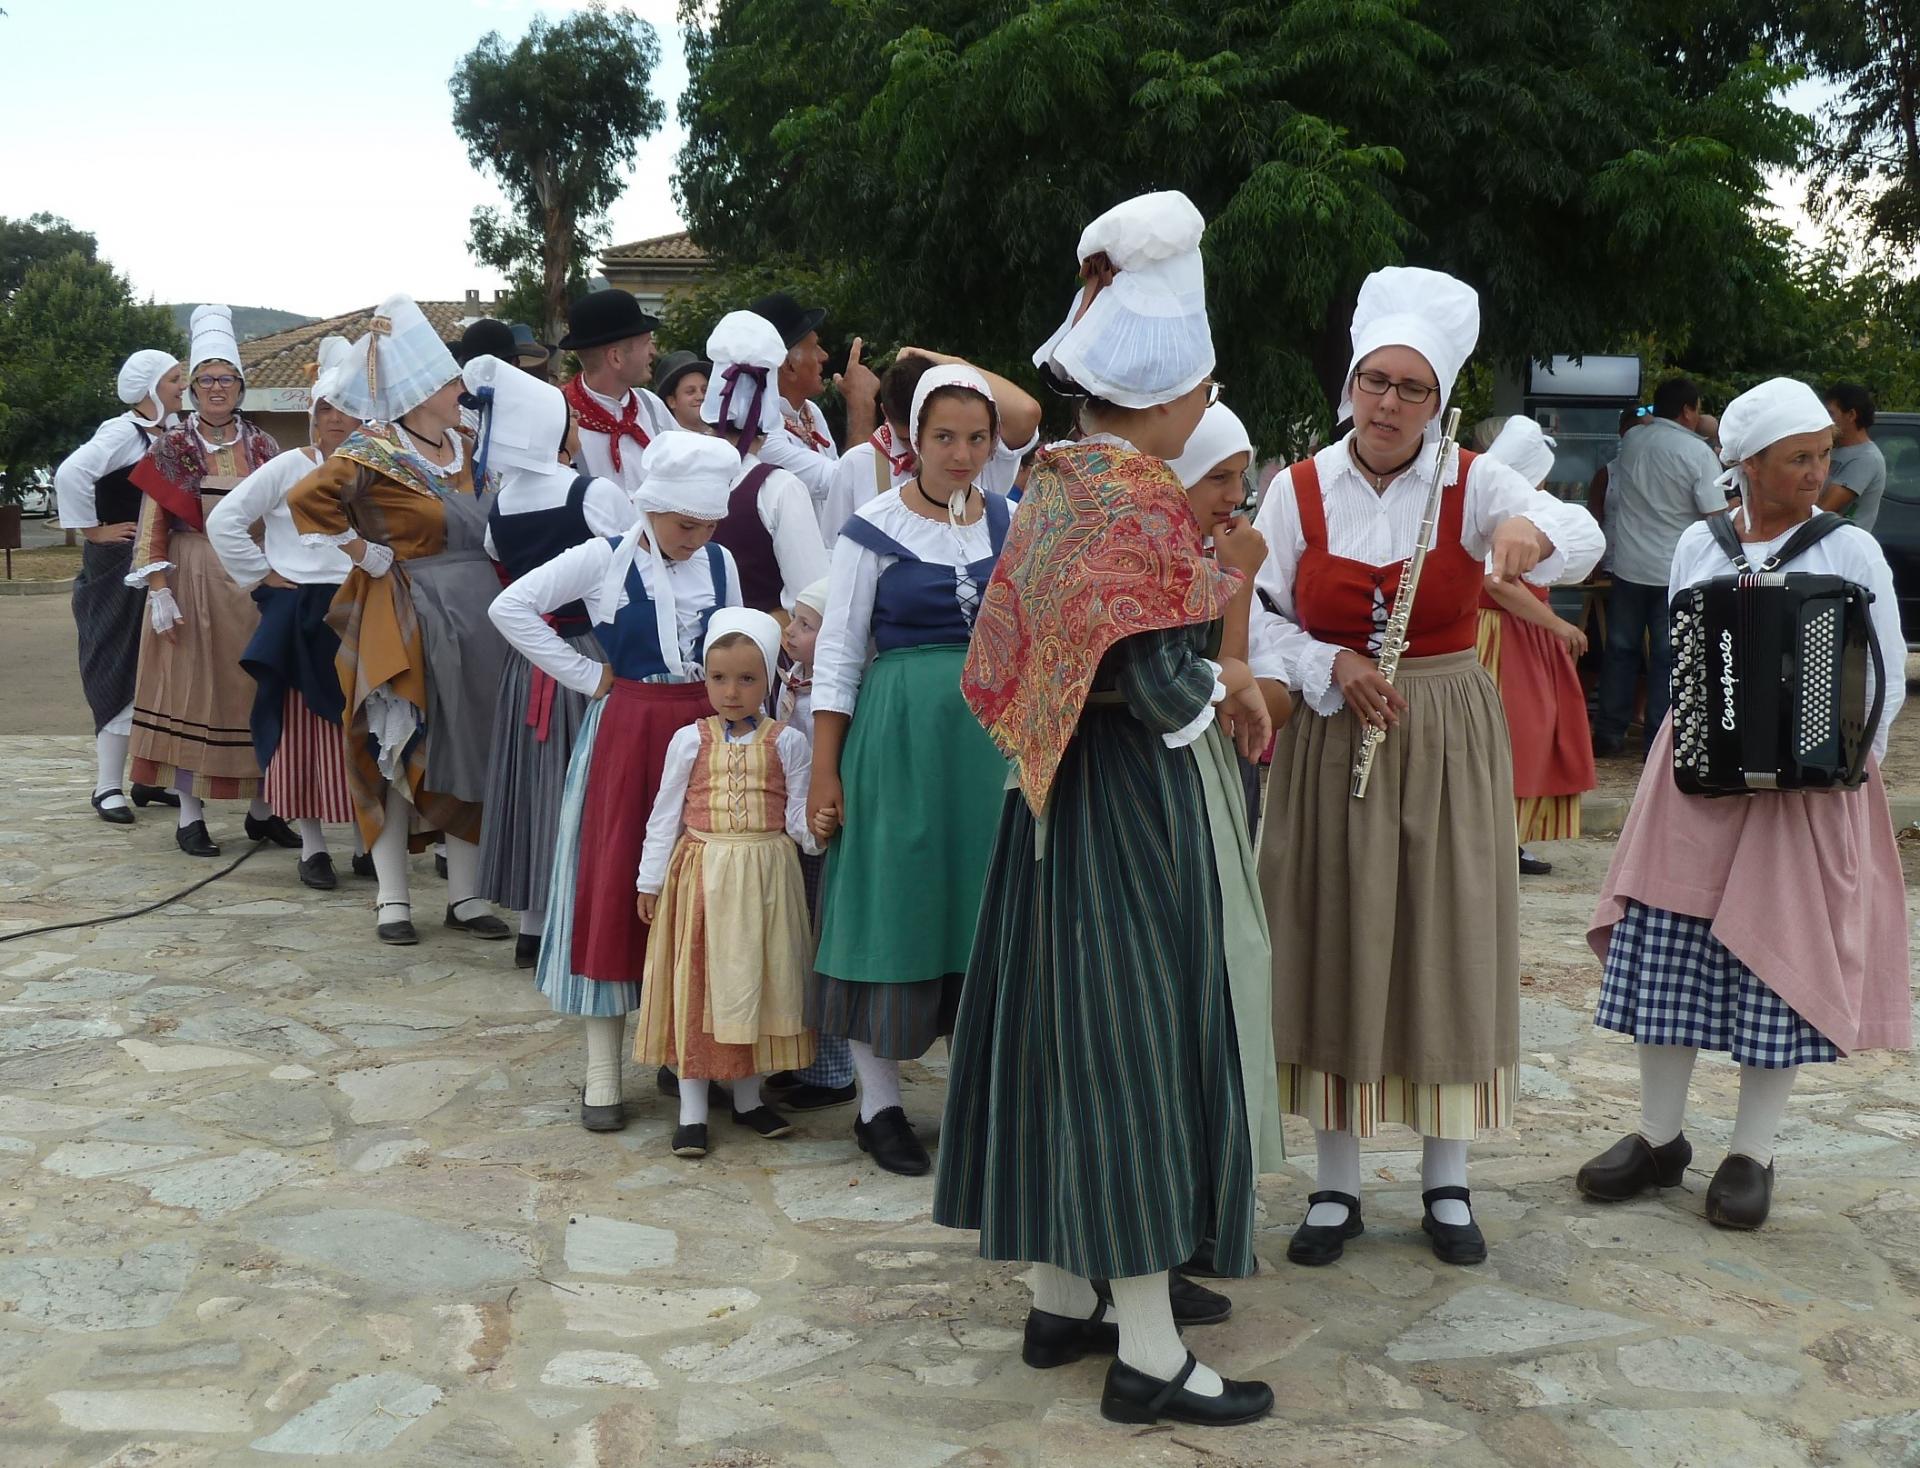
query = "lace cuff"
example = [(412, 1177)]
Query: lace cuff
[(314, 537), (1315, 674), (392, 722), (137, 577), (1180, 738)]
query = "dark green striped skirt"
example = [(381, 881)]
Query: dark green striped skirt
[(1095, 1115)]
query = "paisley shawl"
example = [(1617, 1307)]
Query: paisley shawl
[(1104, 547), (171, 472), (375, 446)]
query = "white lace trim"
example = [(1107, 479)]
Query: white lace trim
[(1315, 672), (137, 577), (392, 721), (1180, 738), (315, 537)]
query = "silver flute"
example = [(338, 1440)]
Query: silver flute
[(1393, 642)]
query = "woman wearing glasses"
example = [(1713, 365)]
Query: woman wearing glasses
[(1396, 990), (192, 701)]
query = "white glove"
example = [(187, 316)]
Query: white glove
[(163, 610), (376, 559)]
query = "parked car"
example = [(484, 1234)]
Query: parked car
[(1898, 528)]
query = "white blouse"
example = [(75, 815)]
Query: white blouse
[(1380, 529), (853, 484), (795, 530), (575, 575), (1850, 552), (844, 649), (811, 463), (605, 505), (670, 806), (117, 443), (262, 495)]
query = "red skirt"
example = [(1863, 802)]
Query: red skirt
[(307, 776), (629, 752), (1545, 706)]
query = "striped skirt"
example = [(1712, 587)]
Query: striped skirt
[(108, 615), (567, 991), (307, 776)]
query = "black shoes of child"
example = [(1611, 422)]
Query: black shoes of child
[(763, 1121), (399, 932), (1316, 1244), (526, 950), (1452, 1243), (113, 815), (480, 925), (1533, 866), (1136, 1398), (363, 864), (194, 840), (797, 1095), (604, 1118), (316, 871), (146, 795), (1631, 1166), (890, 1140), (690, 1141), (274, 830)]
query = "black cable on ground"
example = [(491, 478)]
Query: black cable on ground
[(120, 917)]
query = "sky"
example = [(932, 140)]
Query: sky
[(202, 142), (239, 151)]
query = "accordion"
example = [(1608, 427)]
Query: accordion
[(1770, 675)]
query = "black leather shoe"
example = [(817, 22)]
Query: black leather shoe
[(363, 864), (890, 1139), (1192, 1304), (145, 795), (1314, 1243), (1740, 1194), (194, 840), (1632, 1165), (1133, 1396), (1453, 1243), (481, 925), (765, 1121), (690, 1141), (526, 950), (808, 1097), (1533, 866), (781, 1080), (667, 1081), (1203, 1264), (316, 871), (115, 815), (400, 932), (602, 1118), (275, 830), (1060, 1340)]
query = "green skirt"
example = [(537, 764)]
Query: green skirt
[(922, 784)]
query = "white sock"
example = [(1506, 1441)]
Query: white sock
[(533, 922), (463, 878), (879, 1080), (390, 850), (606, 1038), (259, 809), (1664, 1073), (191, 810), (1149, 1340), (693, 1101), (313, 839), (1059, 1293), (109, 766), (746, 1094), (1336, 1170), (1763, 1102), (1443, 1164)]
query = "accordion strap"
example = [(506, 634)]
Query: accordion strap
[(1823, 524)]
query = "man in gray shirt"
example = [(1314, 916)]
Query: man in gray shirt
[(1857, 477), (1663, 480)]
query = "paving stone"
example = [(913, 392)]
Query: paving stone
[(858, 1194), (110, 1159), (774, 1345), (268, 1111), (167, 1059), (1892, 1442), (882, 1448), (598, 1369), (218, 1186), (1484, 1320), (633, 1310), (1689, 1364), (257, 1031), (197, 1359), (162, 1409), (380, 1026), (396, 1252), (1556, 1381), (75, 984), (613, 1246), (46, 1034), (406, 1091), (136, 1290), (23, 1114), (1870, 1361), (363, 1415), (1708, 1438), (714, 1415)]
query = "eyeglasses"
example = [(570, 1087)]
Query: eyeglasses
[(1214, 389), (208, 384), (1375, 385)]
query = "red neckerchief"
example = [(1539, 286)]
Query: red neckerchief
[(810, 436), (904, 462), (596, 419)]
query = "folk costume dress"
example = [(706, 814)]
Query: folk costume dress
[(615, 432), (919, 778), (193, 703), (1097, 1107), (1546, 711), (730, 947)]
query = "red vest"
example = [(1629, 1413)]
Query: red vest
[(1345, 601)]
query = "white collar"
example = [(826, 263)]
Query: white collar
[(616, 406)]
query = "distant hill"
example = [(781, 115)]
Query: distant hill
[(248, 321)]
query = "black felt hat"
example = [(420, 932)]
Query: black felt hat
[(531, 351), (792, 320), (676, 365), (606, 316), (485, 338)]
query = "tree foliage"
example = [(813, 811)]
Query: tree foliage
[(1868, 159), (63, 335), (25, 243), (1591, 170), (556, 120)]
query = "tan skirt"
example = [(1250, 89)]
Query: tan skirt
[(1395, 919), (192, 701)]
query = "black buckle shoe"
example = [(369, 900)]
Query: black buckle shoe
[(1060, 1340), (1133, 1396), (316, 871), (1453, 1243), (1740, 1194), (145, 795), (275, 830), (526, 950), (889, 1138), (194, 840), (1315, 1243), (808, 1097), (400, 932), (602, 1118), (481, 925), (1631, 1166), (690, 1141), (118, 815), (764, 1121), (363, 864)]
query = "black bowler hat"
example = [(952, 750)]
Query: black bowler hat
[(676, 365), (606, 316), (485, 338), (792, 320)]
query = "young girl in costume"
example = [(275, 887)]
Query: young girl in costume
[(729, 945)]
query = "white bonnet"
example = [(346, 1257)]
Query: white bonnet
[(140, 374), (746, 350), (1431, 312), (687, 474), (1524, 445), (764, 631), (1219, 437), (955, 374)]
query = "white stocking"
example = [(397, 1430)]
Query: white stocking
[(1336, 1170), (1443, 1164), (746, 1094), (533, 922), (463, 878), (1149, 1340), (1059, 1293), (390, 850), (191, 810), (109, 766), (606, 1038), (693, 1101), (879, 1080), (1664, 1073), (1763, 1102), (313, 839)]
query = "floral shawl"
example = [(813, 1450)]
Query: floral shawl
[(1105, 546), (171, 472)]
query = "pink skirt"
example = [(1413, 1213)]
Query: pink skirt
[(1803, 887), (307, 776)]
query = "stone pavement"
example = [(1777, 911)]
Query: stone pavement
[(270, 1193)]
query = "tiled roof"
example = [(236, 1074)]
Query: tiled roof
[(281, 359), (678, 248)]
